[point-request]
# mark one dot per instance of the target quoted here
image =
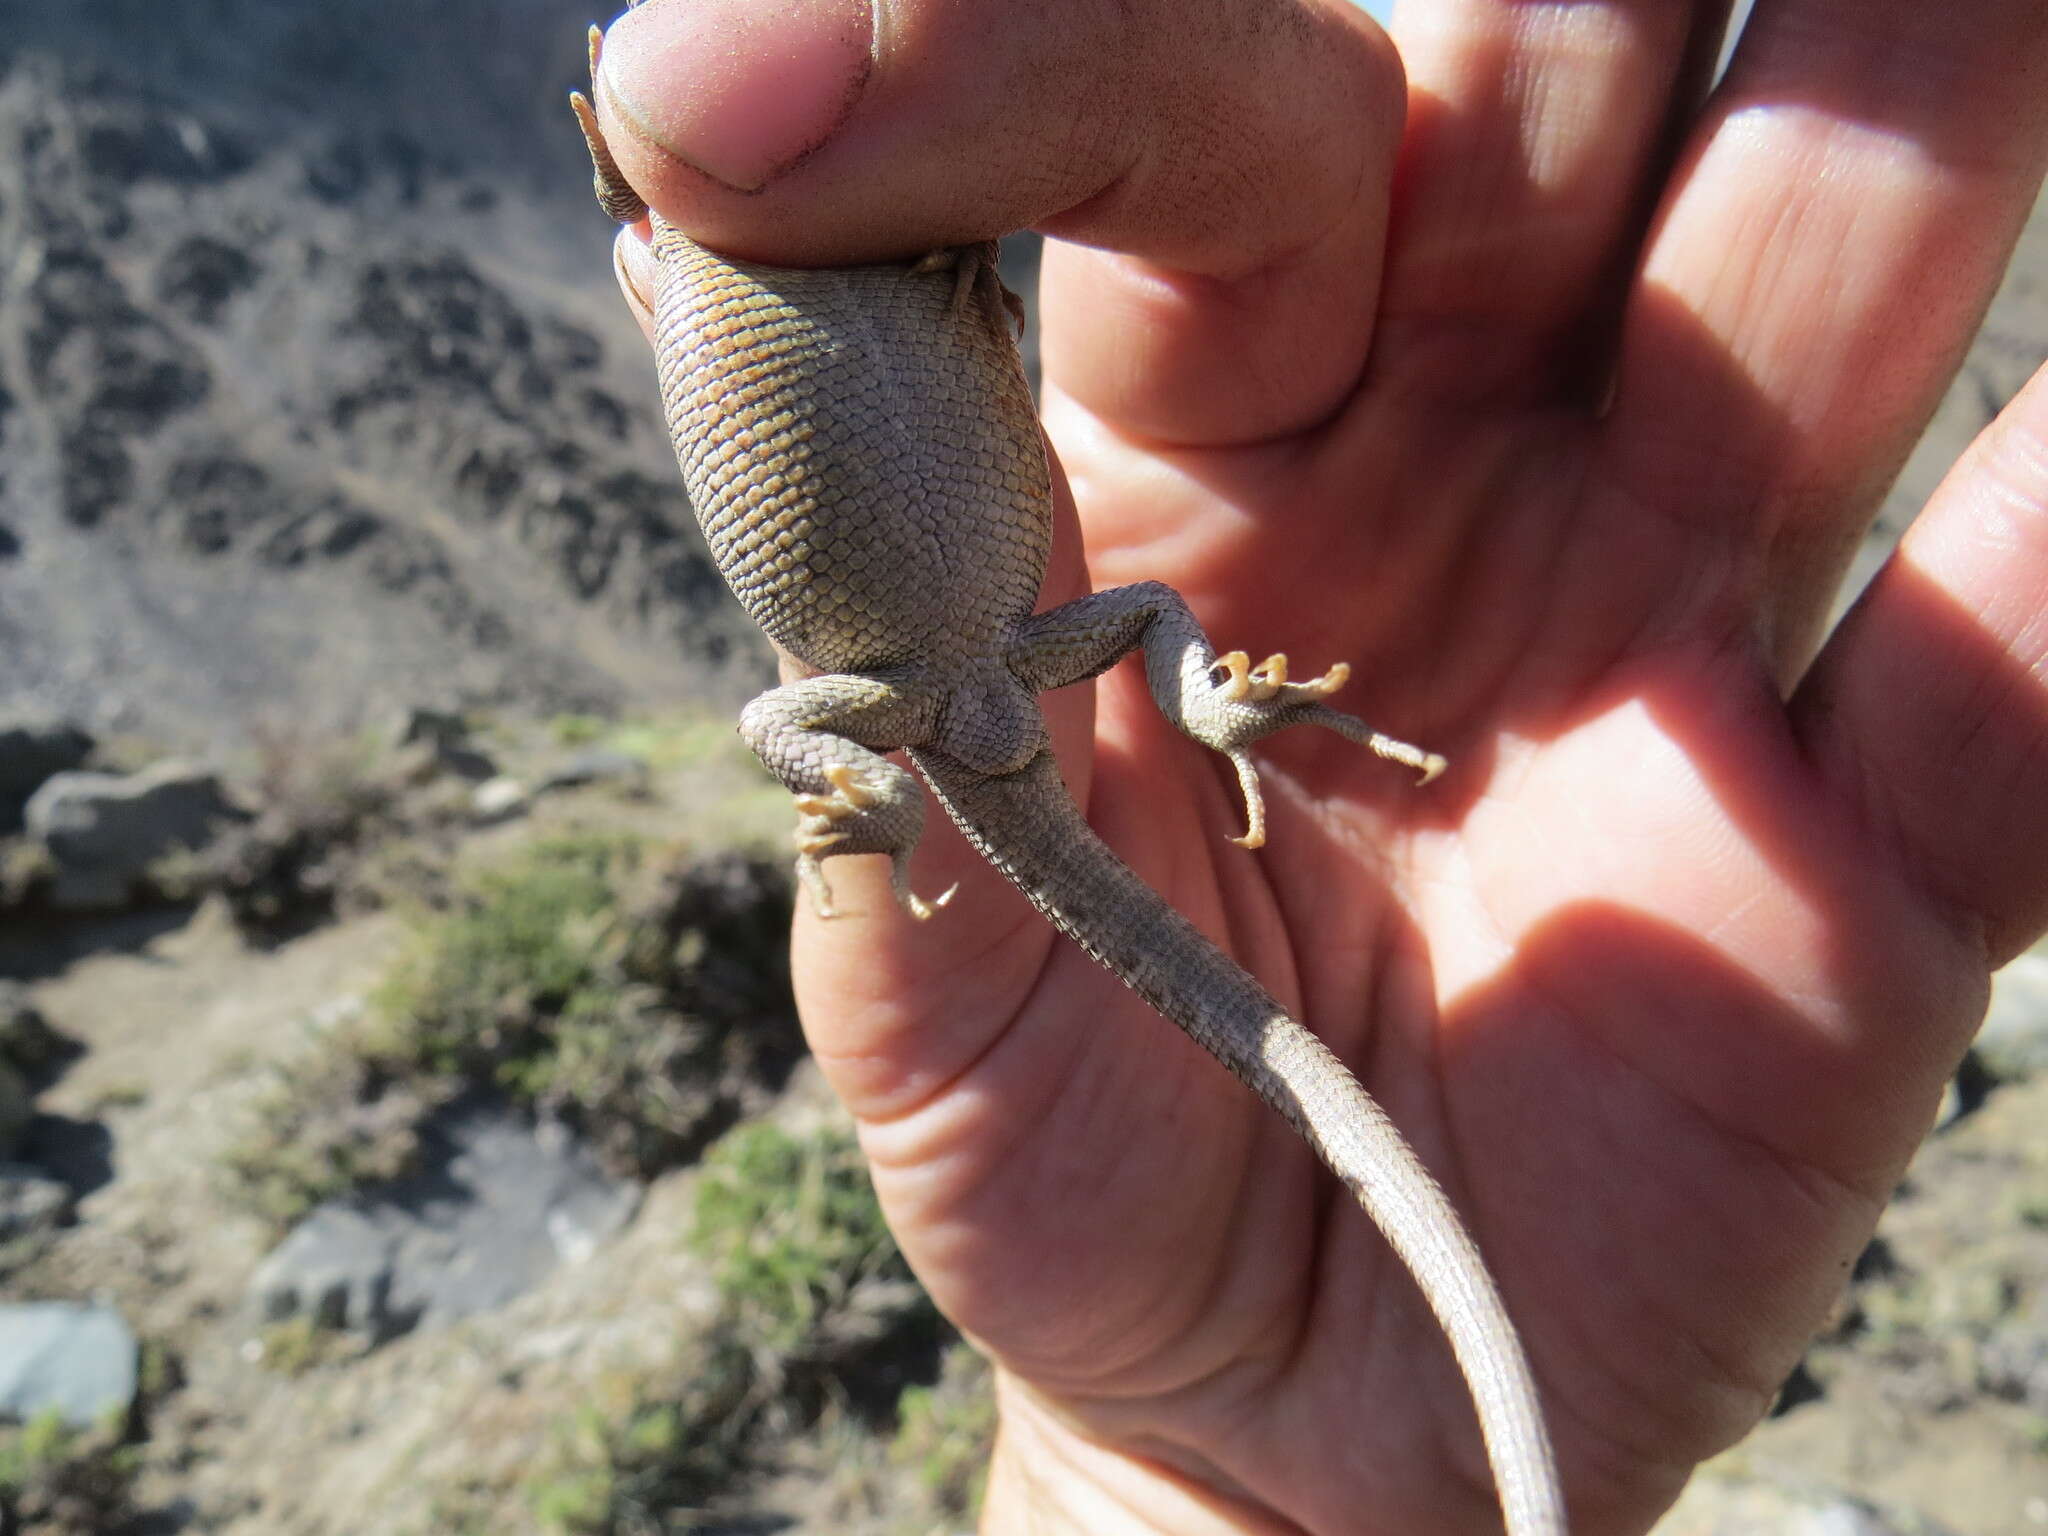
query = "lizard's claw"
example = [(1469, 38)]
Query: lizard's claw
[(1320, 687), (810, 873), (858, 816), (818, 833), (1269, 677), (849, 797), (1235, 684), (909, 900), (1243, 683), (1254, 802)]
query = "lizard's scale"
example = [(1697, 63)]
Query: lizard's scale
[(860, 447), (831, 452)]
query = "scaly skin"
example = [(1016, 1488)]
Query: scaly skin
[(862, 452)]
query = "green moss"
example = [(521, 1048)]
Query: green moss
[(41, 1443)]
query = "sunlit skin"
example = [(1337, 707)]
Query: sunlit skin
[(1560, 428)]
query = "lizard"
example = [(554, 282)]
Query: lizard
[(861, 450)]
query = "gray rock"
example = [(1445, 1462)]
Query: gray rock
[(335, 1267), (421, 762), (77, 1359), (2013, 1041), (497, 1205), (2014, 1359), (595, 765), (32, 1204), (438, 727), (433, 741), (1718, 1503), (17, 1108), (1844, 1516), (34, 748), (466, 763), (497, 800), (104, 830)]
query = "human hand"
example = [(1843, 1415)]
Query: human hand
[(1664, 976)]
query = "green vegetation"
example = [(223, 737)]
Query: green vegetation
[(812, 1293), (647, 1465), (530, 941), (631, 997), (672, 741), (791, 1229), (578, 730), (301, 1344), (628, 997), (679, 742), (323, 1125), (643, 999), (60, 1481), (945, 1433)]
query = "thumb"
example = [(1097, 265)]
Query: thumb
[(1239, 150)]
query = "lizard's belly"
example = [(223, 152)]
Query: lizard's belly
[(860, 449), (847, 583)]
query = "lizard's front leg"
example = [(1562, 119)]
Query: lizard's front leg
[(1223, 702), (823, 738)]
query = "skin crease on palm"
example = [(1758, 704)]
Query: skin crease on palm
[(1554, 395)]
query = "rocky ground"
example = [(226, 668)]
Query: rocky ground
[(362, 1187), (315, 404), (318, 1281), (310, 384)]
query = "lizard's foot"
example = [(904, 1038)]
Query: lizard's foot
[(1246, 703), (974, 271), (1223, 702), (856, 817)]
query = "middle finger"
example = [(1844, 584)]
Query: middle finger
[(1537, 135)]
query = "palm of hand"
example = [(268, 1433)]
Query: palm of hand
[(1632, 976)]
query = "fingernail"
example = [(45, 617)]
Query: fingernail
[(740, 89)]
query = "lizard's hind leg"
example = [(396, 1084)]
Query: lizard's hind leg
[(1224, 702), (823, 738)]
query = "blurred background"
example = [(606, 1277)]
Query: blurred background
[(403, 1126)]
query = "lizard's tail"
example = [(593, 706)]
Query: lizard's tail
[(1029, 828)]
